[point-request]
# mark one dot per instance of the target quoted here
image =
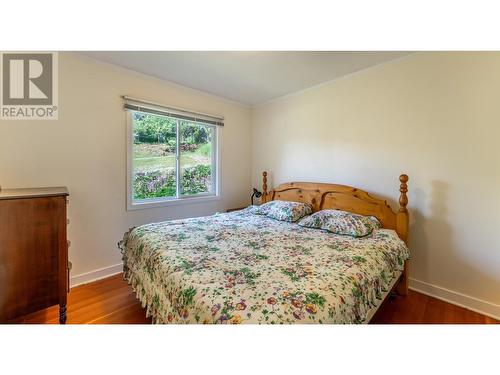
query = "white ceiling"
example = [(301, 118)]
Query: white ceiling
[(247, 77)]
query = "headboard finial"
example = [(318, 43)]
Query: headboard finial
[(264, 186), (403, 189)]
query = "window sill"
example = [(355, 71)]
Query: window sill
[(155, 203)]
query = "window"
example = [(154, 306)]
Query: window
[(171, 160)]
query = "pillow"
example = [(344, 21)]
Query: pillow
[(284, 210), (341, 222)]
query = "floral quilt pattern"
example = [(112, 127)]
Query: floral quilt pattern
[(244, 268)]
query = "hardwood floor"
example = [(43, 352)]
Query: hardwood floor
[(417, 308), (111, 301), (108, 300)]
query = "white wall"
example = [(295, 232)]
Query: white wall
[(434, 116), (85, 150)]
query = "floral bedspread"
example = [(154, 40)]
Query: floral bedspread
[(244, 268)]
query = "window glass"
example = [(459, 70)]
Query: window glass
[(196, 158), (154, 161), (170, 158)]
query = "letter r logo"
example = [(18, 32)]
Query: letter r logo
[(27, 79)]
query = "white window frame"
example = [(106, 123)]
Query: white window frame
[(134, 204)]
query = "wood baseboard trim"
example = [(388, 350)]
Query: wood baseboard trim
[(101, 273), (471, 303)]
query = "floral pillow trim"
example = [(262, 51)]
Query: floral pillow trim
[(284, 210), (342, 222)]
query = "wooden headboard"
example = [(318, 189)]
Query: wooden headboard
[(331, 196)]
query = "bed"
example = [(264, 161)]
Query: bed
[(240, 267)]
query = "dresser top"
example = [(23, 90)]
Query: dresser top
[(33, 192)]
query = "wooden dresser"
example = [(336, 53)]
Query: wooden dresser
[(33, 251)]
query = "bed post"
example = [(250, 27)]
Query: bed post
[(264, 187), (402, 228)]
